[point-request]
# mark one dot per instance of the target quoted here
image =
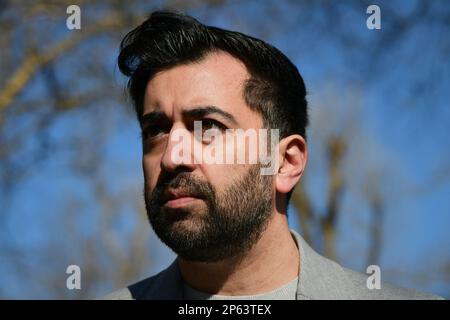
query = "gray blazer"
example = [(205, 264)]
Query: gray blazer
[(319, 279)]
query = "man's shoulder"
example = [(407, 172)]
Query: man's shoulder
[(386, 291), (134, 291), (121, 294), (325, 279), (163, 286)]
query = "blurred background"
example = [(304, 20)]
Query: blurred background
[(377, 185)]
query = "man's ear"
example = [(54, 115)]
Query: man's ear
[(293, 157)]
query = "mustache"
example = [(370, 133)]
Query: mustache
[(186, 181)]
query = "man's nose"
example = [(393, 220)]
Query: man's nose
[(178, 155)]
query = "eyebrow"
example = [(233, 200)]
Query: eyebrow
[(152, 117), (196, 112), (202, 111)]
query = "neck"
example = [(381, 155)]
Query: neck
[(272, 262)]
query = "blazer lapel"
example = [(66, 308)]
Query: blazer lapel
[(320, 278)]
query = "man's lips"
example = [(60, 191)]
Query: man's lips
[(177, 198), (179, 202)]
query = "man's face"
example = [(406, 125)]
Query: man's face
[(204, 212)]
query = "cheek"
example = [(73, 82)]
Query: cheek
[(223, 175)]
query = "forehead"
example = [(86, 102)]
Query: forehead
[(217, 80)]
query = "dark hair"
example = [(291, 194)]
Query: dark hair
[(167, 39)]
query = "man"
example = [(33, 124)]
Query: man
[(226, 221)]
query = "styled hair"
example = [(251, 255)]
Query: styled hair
[(167, 39)]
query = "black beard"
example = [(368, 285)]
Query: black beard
[(230, 224)]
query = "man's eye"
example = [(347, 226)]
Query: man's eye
[(212, 124), (151, 132)]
